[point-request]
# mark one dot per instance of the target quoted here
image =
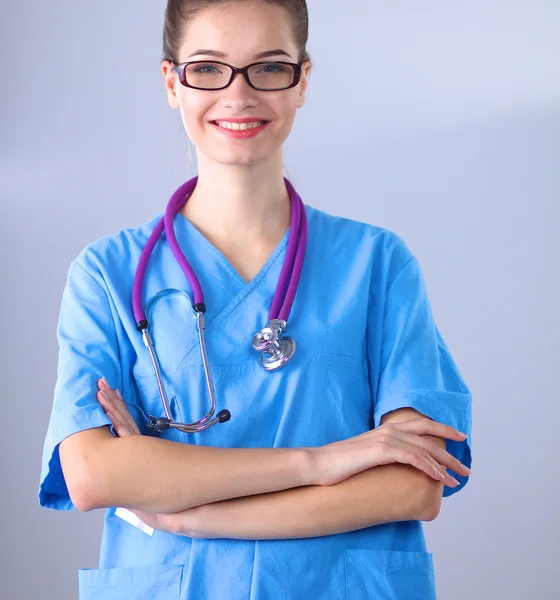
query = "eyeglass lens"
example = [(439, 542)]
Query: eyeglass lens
[(269, 76)]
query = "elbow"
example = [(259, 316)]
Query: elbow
[(79, 481), (80, 457), (78, 489), (430, 500), (80, 500)]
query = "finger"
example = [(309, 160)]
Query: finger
[(105, 400), (119, 406), (132, 422), (103, 384), (109, 396), (125, 414), (122, 428), (426, 426), (114, 397), (108, 403), (442, 456), (420, 459)]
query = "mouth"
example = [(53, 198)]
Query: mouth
[(233, 126), (237, 130)]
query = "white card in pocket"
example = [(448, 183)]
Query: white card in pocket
[(131, 518)]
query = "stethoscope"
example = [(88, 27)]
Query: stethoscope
[(275, 349)]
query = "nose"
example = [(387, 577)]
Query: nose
[(239, 92)]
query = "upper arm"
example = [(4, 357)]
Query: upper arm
[(77, 452), (88, 350)]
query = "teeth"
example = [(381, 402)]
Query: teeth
[(239, 126)]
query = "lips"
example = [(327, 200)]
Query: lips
[(252, 122), (243, 120), (237, 126), (240, 133)]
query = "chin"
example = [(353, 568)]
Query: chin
[(242, 159)]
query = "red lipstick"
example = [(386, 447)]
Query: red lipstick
[(238, 133)]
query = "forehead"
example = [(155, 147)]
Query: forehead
[(240, 30)]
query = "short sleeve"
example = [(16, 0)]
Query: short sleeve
[(87, 351), (416, 368)]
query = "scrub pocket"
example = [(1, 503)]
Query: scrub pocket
[(389, 575), (156, 582), (150, 403)]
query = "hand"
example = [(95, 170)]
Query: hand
[(160, 521), (183, 523), (389, 443), (117, 411)]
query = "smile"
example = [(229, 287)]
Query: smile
[(240, 130), (239, 126)]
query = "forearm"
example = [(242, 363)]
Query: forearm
[(384, 494), (160, 476)]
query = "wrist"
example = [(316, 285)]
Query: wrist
[(189, 521), (308, 466)]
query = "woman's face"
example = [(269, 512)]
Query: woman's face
[(240, 30)]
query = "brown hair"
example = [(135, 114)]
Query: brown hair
[(178, 13)]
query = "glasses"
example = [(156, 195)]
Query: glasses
[(264, 76)]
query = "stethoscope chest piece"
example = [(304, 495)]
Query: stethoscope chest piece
[(276, 350)]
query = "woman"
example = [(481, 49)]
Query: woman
[(317, 485)]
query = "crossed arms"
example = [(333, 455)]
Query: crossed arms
[(242, 493), (383, 494)]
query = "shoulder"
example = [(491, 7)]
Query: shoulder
[(384, 246), (109, 252)]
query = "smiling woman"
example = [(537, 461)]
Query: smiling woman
[(208, 87), (337, 447)]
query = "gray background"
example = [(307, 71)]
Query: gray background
[(452, 140)]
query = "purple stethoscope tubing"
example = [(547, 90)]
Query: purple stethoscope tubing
[(293, 263), (269, 340)]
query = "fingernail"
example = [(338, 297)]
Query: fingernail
[(463, 435), (104, 394), (105, 382), (117, 391), (453, 479)]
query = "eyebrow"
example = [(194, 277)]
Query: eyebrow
[(218, 54)]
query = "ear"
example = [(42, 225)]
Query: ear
[(305, 72), (171, 81)]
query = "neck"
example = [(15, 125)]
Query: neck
[(240, 205)]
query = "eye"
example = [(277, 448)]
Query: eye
[(206, 69), (272, 68)]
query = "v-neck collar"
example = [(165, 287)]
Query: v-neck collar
[(224, 289), (203, 241)]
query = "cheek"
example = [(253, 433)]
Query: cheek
[(285, 121), (193, 110)]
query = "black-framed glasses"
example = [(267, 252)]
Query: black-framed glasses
[(267, 76)]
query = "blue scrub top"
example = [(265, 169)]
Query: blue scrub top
[(367, 344)]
